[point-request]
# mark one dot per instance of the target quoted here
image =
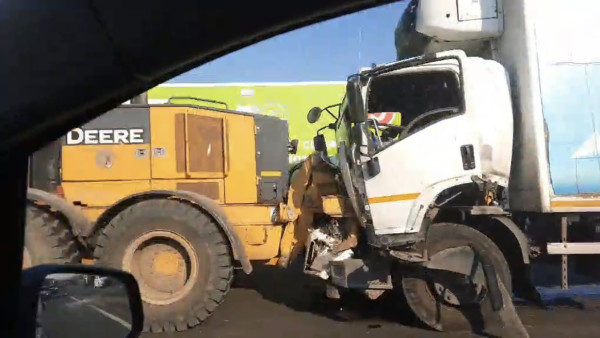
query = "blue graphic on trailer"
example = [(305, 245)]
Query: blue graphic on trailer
[(571, 104), (569, 65)]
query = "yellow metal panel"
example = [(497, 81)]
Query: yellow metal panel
[(102, 194), (194, 185), (93, 213), (273, 261), (165, 133), (248, 214), (260, 242), (240, 183), (393, 198), (206, 145), (105, 162), (255, 235), (337, 206), (287, 244), (167, 125)]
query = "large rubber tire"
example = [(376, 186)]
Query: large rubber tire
[(210, 246), (48, 239), (427, 305)]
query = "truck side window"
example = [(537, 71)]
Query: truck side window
[(418, 95)]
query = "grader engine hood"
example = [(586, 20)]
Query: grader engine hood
[(228, 156)]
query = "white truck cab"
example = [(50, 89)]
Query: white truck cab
[(457, 127)]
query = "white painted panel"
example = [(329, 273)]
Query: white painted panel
[(477, 9), (394, 214), (429, 156), (429, 161)]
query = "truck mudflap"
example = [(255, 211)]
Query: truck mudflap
[(501, 302), (503, 310), (519, 236), (202, 202), (80, 225)]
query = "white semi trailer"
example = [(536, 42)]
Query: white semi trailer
[(497, 159)]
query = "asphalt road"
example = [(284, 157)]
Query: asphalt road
[(273, 304), (276, 304)]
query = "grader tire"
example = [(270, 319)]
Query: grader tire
[(179, 256), (48, 239), (426, 294)]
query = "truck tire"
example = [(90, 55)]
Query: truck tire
[(179, 257), (434, 304), (48, 238)]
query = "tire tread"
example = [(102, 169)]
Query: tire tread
[(219, 283), (57, 245)]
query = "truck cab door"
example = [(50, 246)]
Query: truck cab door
[(436, 143)]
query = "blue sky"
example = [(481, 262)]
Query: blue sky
[(328, 51)]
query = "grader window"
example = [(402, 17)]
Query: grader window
[(415, 94)]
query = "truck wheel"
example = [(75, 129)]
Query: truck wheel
[(453, 300), (48, 239), (179, 257)]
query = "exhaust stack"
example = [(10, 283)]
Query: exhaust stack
[(140, 99)]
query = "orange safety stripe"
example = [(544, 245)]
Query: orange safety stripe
[(393, 198)]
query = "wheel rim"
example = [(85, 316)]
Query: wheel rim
[(454, 280), (165, 265)]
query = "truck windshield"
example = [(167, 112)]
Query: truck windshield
[(413, 94)]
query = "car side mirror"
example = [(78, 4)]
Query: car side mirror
[(56, 302), (314, 114)]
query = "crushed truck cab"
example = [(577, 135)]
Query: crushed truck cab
[(448, 118), (411, 199)]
